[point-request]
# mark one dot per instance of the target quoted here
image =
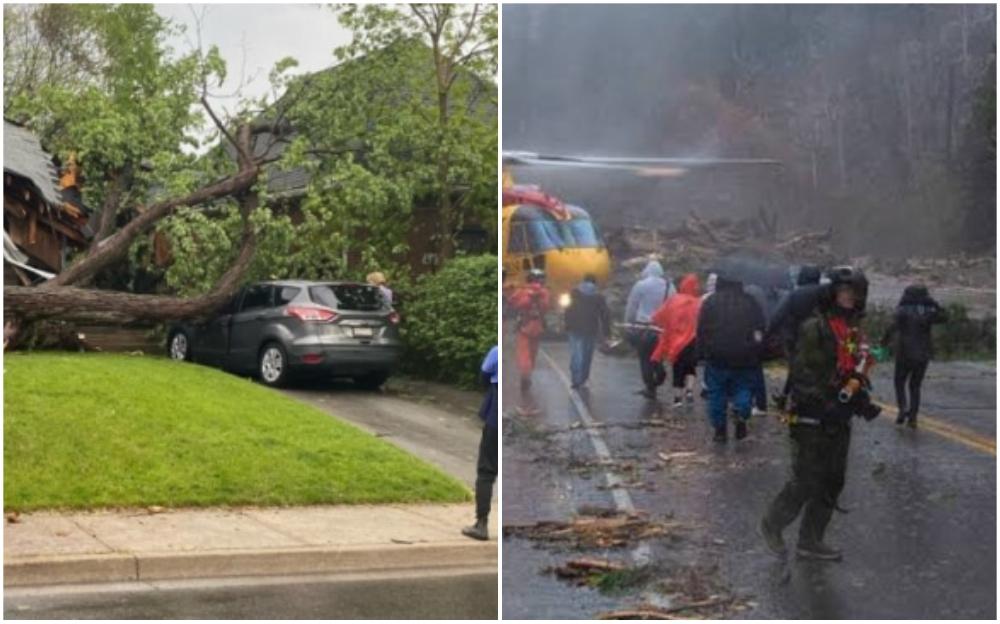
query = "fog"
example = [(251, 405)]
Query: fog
[(883, 116)]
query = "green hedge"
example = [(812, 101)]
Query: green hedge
[(450, 321)]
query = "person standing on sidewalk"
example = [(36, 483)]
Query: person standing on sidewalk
[(530, 303), (915, 315), (646, 296), (587, 320), (729, 338), (829, 351), (486, 466), (678, 320)]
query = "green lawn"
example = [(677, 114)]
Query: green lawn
[(101, 430)]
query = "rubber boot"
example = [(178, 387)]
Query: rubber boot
[(477, 531)]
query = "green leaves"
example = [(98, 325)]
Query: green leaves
[(450, 320)]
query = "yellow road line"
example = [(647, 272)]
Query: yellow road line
[(955, 433)]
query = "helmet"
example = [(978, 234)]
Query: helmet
[(849, 276), (536, 275)]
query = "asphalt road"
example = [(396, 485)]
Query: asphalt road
[(419, 595), (919, 540)]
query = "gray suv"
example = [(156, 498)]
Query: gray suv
[(278, 329)]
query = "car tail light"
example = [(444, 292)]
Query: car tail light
[(394, 318), (312, 358), (312, 315)]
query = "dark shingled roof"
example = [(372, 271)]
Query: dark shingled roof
[(23, 156)]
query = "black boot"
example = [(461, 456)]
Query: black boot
[(478, 531), (720, 434), (912, 420), (901, 418), (741, 429)]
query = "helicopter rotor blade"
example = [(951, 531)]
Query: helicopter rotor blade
[(639, 165)]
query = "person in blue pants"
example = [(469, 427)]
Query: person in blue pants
[(587, 320), (730, 338)]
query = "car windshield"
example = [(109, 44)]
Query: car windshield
[(348, 297)]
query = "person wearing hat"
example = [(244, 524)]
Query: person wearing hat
[(530, 302), (829, 387), (911, 325)]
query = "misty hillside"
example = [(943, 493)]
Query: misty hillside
[(884, 117)]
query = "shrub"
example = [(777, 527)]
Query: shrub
[(450, 320)]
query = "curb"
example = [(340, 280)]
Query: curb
[(124, 567)]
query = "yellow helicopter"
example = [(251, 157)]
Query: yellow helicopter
[(540, 231)]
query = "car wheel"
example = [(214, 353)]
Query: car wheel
[(272, 364), (179, 346), (371, 381)]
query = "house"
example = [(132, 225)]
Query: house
[(44, 219), (287, 188)]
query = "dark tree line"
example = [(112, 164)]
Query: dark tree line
[(884, 115)]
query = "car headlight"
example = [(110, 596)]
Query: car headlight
[(564, 300)]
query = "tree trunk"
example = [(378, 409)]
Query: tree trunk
[(59, 298), (24, 303)]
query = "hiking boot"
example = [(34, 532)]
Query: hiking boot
[(818, 551), (678, 401), (689, 397), (741, 429), (912, 421), (477, 531), (720, 434), (901, 418), (772, 538)]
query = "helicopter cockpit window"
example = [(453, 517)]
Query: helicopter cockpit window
[(532, 231)]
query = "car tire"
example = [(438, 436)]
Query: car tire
[(179, 346), (272, 365), (371, 381)]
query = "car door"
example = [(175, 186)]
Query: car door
[(214, 334), (247, 325)]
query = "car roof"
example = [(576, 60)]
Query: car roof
[(307, 283)]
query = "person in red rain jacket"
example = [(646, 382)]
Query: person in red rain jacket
[(678, 318), (530, 302)]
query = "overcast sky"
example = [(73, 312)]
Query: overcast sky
[(253, 37)]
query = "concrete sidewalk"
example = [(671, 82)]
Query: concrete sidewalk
[(134, 545)]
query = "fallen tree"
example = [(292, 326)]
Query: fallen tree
[(63, 297)]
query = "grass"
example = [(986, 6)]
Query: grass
[(100, 430)]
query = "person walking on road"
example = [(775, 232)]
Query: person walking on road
[(587, 320), (677, 319), (759, 392), (915, 315), (729, 338), (486, 465), (792, 311), (829, 353), (530, 303), (646, 296)]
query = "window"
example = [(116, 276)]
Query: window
[(348, 296), (285, 295), (257, 297)]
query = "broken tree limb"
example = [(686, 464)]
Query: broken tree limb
[(662, 614)]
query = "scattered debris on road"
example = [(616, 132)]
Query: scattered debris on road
[(614, 530)]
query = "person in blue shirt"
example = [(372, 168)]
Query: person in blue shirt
[(486, 466)]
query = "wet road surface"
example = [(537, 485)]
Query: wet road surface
[(919, 540)]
